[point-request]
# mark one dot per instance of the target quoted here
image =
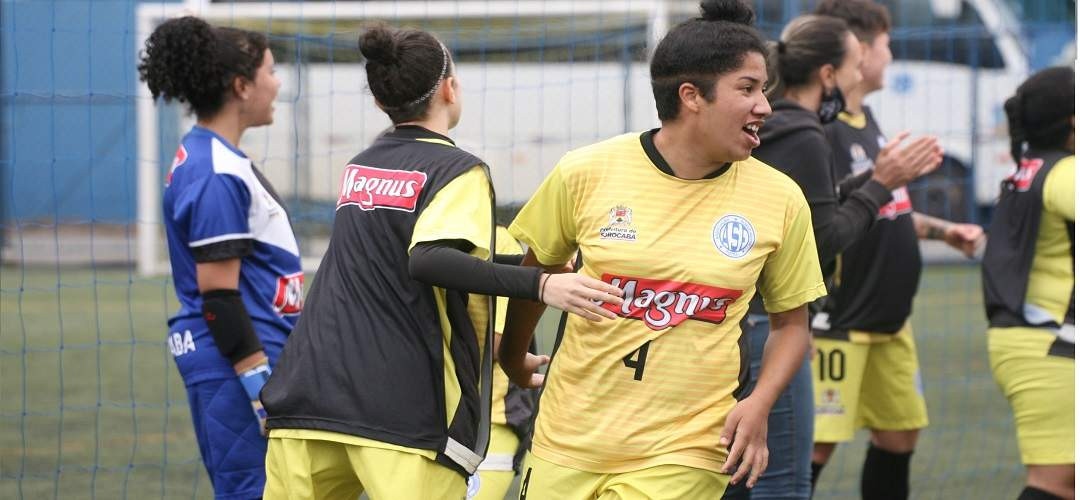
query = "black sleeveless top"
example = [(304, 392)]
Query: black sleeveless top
[(1011, 240), (366, 358)]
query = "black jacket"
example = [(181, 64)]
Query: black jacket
[(793, 142)]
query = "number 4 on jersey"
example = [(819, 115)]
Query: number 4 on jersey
[(637, 364)]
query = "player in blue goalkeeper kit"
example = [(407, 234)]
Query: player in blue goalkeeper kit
[(235, 261)]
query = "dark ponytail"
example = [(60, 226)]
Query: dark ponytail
[(698, 51), (1039, 113), (404, 69), (189, 61), (806, 44)]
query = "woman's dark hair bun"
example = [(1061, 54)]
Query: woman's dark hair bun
[(378, 45), (735, 11)]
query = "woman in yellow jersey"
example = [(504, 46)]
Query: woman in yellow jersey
[(688, 226), (384, 386), (1029, 281)]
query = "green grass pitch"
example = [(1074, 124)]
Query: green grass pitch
[(91, 405)]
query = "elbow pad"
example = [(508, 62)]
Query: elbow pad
[(230, 324)]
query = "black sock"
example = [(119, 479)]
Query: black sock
[(1033, 493), (885, 474), (815, 471)]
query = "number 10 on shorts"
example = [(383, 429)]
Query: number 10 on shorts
[(831, 365)]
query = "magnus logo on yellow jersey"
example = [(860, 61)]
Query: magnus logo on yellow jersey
[(620, 225), (733, 236), (663, 303)]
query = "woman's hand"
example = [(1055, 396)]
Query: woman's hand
[(896, 164), (965, 238), (746, 425), (523, 372), (580, 294)]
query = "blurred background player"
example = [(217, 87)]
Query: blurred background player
[(511, 406), (385, 384), (644, 406), (1029, 281), (235, 261), (813, 66), (866, 365)]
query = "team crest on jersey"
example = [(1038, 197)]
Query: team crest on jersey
[(663, 304), (289, 297), (733, 236), (860, 161), (620, 225), (178, 159), (370, 188), (1025, 175), (830, 403)]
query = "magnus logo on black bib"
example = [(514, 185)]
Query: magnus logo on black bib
[(371, 188)]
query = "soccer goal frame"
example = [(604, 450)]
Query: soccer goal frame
[(151, 259)]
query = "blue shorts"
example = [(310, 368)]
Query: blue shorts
[(230, 442), (232, 446)]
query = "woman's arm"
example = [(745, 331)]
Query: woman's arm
[(836, 225), (745, 429)]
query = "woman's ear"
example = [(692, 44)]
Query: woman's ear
[(448, 89), (689, 96), (827, 76), (241, 88)]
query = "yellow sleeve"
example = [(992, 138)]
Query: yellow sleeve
[(1059, 190), (504, 244), (792, 276), (546, 223), (461, 210)]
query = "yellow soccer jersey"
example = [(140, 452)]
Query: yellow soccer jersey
[(655, 385), (500, 384), (1051, 281)]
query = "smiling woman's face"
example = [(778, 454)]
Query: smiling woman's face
[(737, 110)]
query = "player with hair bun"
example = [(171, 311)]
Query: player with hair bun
[(385, 384), (235, 261), (1029, 282), (688, 226)]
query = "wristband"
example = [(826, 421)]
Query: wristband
[(543, 282), (254, 379)]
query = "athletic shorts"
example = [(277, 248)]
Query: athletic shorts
[(869, 381), (1041, 390), (496, 472), (543, 480), (321, 466), (230, 438)]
